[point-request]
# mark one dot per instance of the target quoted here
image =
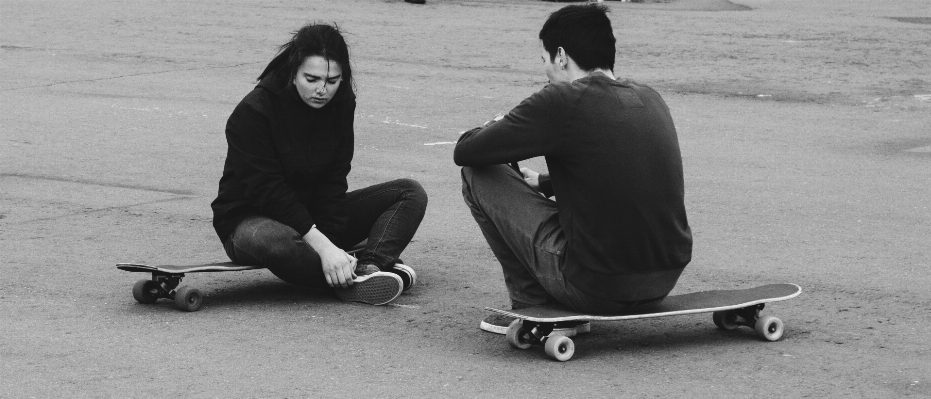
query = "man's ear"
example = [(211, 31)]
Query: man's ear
[(562, 60)]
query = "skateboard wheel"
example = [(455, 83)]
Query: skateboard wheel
[(559, 347), (769, 328), (144, 291), (725, 319), (517, 335), (188, 299)]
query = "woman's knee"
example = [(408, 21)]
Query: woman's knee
[(413, 192), (270, 242), (295, 262), (288, 250)]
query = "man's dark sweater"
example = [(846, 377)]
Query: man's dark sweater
[(287, 161), (616, 170)]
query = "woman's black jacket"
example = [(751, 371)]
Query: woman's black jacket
[(286, 160)]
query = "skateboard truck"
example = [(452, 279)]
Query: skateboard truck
[(523, 333), (767, 327), (162, 285), (731, 319)]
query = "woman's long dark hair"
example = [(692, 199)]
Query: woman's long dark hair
[(312, 40)]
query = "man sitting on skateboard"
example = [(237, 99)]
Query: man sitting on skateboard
[(617, 236)]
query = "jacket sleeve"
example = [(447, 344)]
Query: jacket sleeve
[(546, 185), (531, 129), (258, 169), (331, 192)]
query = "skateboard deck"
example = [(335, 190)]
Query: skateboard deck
[(181, 269), (166, 279), (731, 308)]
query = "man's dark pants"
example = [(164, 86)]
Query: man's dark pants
[(522, 227)]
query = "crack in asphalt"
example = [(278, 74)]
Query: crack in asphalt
[(99, 210), (93, 183), (129, 76)]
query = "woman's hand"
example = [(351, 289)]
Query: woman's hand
[(339, 268)]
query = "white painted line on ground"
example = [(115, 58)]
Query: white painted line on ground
[(923, 97), (440, 143), (132, 108), (397, 305), (920, 149), (388, 120)]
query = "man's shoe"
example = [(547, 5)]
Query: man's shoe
[(416, 1), (407, 274), (498, 324), (377, 288)]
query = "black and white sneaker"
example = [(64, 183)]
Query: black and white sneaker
[(498, 324), (376, 288), (407, 274)]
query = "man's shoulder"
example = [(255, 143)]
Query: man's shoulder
[(637, 86), (560, 94), (578, 88)]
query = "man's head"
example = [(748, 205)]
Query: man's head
[(583, 32)]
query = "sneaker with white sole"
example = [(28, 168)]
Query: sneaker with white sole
[(407, 274), (376, 288), (362, 270), (498, 324)]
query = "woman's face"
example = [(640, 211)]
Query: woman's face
[(317, 80)]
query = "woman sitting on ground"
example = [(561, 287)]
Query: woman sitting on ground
[(283, 201)]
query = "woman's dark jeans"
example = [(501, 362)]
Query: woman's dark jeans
[(386, 214)]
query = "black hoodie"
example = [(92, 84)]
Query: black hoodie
[(286, 161)]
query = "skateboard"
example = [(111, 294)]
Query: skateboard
[(166, 279), (730, 309)]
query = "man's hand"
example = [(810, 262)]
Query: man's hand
[(493, 120), (532, 178)]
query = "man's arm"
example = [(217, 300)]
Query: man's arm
[(531, 129)]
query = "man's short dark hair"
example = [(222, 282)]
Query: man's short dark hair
[(584, 32)]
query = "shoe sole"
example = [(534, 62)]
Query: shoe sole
[(407, 270), (374, 289), (568, 332)]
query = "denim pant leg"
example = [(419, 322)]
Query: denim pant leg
[(261, 241), (522, 228), (388, 215)]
